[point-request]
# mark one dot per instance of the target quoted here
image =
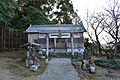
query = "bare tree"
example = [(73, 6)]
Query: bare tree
[(108, 21), (94, 24), (112, 22)]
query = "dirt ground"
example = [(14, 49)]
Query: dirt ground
[(13, 68), (101, 73), (9, 71)]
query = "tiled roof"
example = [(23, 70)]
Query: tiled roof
[(56, 28)]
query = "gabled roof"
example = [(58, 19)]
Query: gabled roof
[(56, 28)]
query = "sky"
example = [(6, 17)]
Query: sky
[(92, 6)]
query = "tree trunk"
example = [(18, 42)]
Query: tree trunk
[(2, 39), (99, 48), (98, 43)]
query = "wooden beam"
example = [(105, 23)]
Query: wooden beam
[(55, 31)]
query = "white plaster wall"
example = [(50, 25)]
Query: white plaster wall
[(77, 35), (31, 37)]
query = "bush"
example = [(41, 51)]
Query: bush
[(108, 63)]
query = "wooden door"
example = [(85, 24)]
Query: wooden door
[(60, 43)]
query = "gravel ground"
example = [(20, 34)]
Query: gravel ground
[(59, 69)]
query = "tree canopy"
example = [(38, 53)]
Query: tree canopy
[(21, 13), (31, 15), (6, 13)]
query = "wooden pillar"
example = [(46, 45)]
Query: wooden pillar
[(47, 47), (72, 48), (54, 44), (72, 44), (66, 44)]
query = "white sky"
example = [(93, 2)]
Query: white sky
[(92, 6)]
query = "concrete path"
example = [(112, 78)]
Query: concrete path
[(59, 69)]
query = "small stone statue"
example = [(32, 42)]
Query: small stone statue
[(92, 68), (83, 66), (34, 67)]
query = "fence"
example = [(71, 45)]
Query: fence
[(11, 39)]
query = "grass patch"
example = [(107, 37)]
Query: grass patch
[(12, 66), (40, 70), (27, 74), (18, 68), (42, 66), (15, 54), (91, 77), (16, 64)]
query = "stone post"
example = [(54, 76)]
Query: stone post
[(47, 47), (72, 47)]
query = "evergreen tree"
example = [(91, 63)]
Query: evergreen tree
[(29, 16), (21, 13), (6, 13), (58, 11)]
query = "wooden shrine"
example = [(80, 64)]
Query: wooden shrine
[(68, 37)]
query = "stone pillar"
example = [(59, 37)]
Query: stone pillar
[(72, 44), (72, 48), (47, 47)]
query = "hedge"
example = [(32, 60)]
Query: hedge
[(108, 63)]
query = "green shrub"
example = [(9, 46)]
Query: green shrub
[(108, 63)]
